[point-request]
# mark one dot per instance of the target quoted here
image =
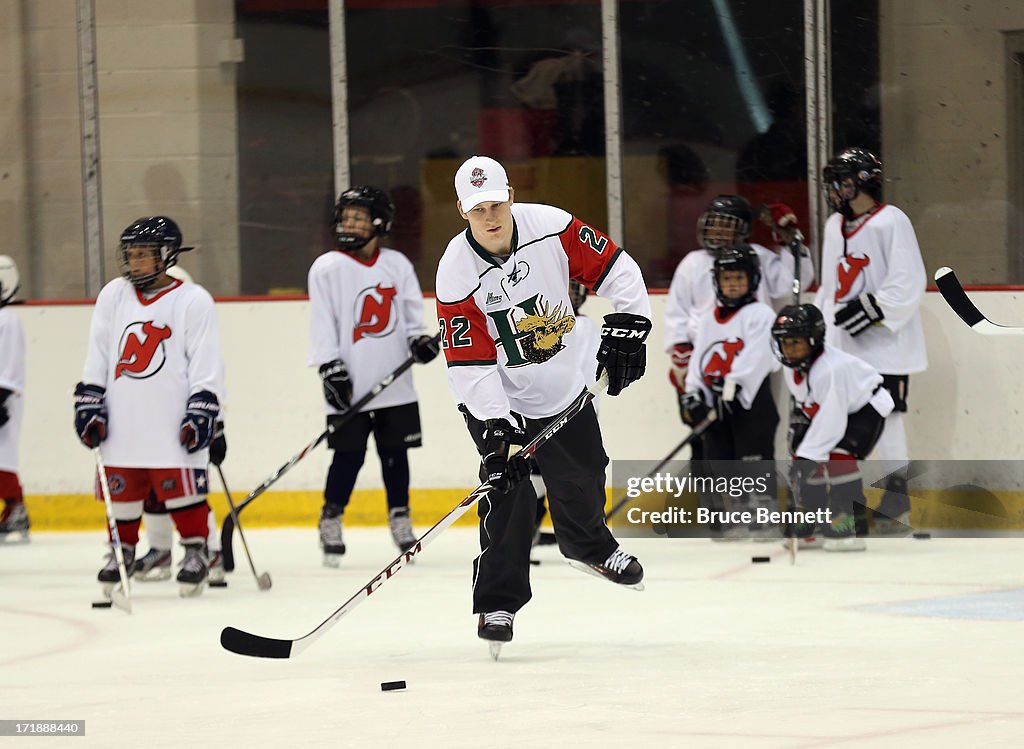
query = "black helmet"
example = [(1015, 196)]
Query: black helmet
[(577, 294), (799, 321), (382, 213), (741, 257), (726, 221), (162, 235), (857, 164)]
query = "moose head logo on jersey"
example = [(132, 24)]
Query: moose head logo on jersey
[(141, 350), (536, 335), (850, 280), (717, 360), (373, 312)]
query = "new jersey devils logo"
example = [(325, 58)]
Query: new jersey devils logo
[(811, 409), (373, 312), (850, 279), (717, 360), (141, 350)]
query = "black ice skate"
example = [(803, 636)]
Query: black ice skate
[(620, 568), (496, 628), (401, 528), (331, 541), (14, 523), (195, 569), (154, 565), (109, 576)]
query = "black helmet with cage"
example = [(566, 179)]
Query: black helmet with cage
[(158, 233), (740, 257), (849, 172), (803, 321), (382, 213), (725, 222)]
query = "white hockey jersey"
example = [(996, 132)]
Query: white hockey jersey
[(880, 256), (151, 355), (505, 321), (692, 291), (837, 385), (12, 377), (734, 345), (364, 313)]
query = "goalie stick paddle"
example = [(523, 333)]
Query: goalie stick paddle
[(953, 292), (228, 529), (697, 432), (257, 646)]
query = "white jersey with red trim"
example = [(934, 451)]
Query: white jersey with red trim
[(364, 312), (734, 345), (587, 335), (692, 291), (837, 385), (151, 354), (505, 321), (876, 254), (12, 377)]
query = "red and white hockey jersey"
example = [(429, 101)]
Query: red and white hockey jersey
[(151, 355), (734, 345), (880, 256), (364, 313), (837, 385), (505, 321), (692, 292), (12, 377)]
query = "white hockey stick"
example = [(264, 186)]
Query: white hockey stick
[(120, 597), (953, 292), (257, 646)]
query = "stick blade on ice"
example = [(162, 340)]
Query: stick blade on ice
[(256, 646), (953, 292)]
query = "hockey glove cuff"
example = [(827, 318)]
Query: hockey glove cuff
[(623, 353), (90, 414), (500, 469), (337, 384), (680, 363), (424, 348), (200, 417), (860, 314)]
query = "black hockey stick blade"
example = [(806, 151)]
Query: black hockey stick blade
[(256, 646), (953, 292)]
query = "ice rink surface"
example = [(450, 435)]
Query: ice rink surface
[(911, 644)]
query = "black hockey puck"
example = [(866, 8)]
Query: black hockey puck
[(760, 559), (391, 686), (535, 562), (922, 536), (218, 583), (102, 604)]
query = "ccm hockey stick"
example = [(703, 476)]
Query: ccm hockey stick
[(697, 432), (263, 582), (120, 597), (228, 529), (257, 646), (953, 292)]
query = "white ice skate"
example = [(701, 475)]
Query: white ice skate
[(14, 524), (331, 541)]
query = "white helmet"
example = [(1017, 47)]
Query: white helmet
[(9, 279)]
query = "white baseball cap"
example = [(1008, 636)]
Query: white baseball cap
[(481, 179)]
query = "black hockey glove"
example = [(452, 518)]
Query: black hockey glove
[(424, 348), (693, 409), (200, 417), (860, 314), (499, 469), (90, 414), (219, 446), (337, 384), (623, 353), (4, 416), (800, 473), (799, 423)]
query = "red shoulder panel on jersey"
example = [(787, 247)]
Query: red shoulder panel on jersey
[(590, 253), (464, 337)]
